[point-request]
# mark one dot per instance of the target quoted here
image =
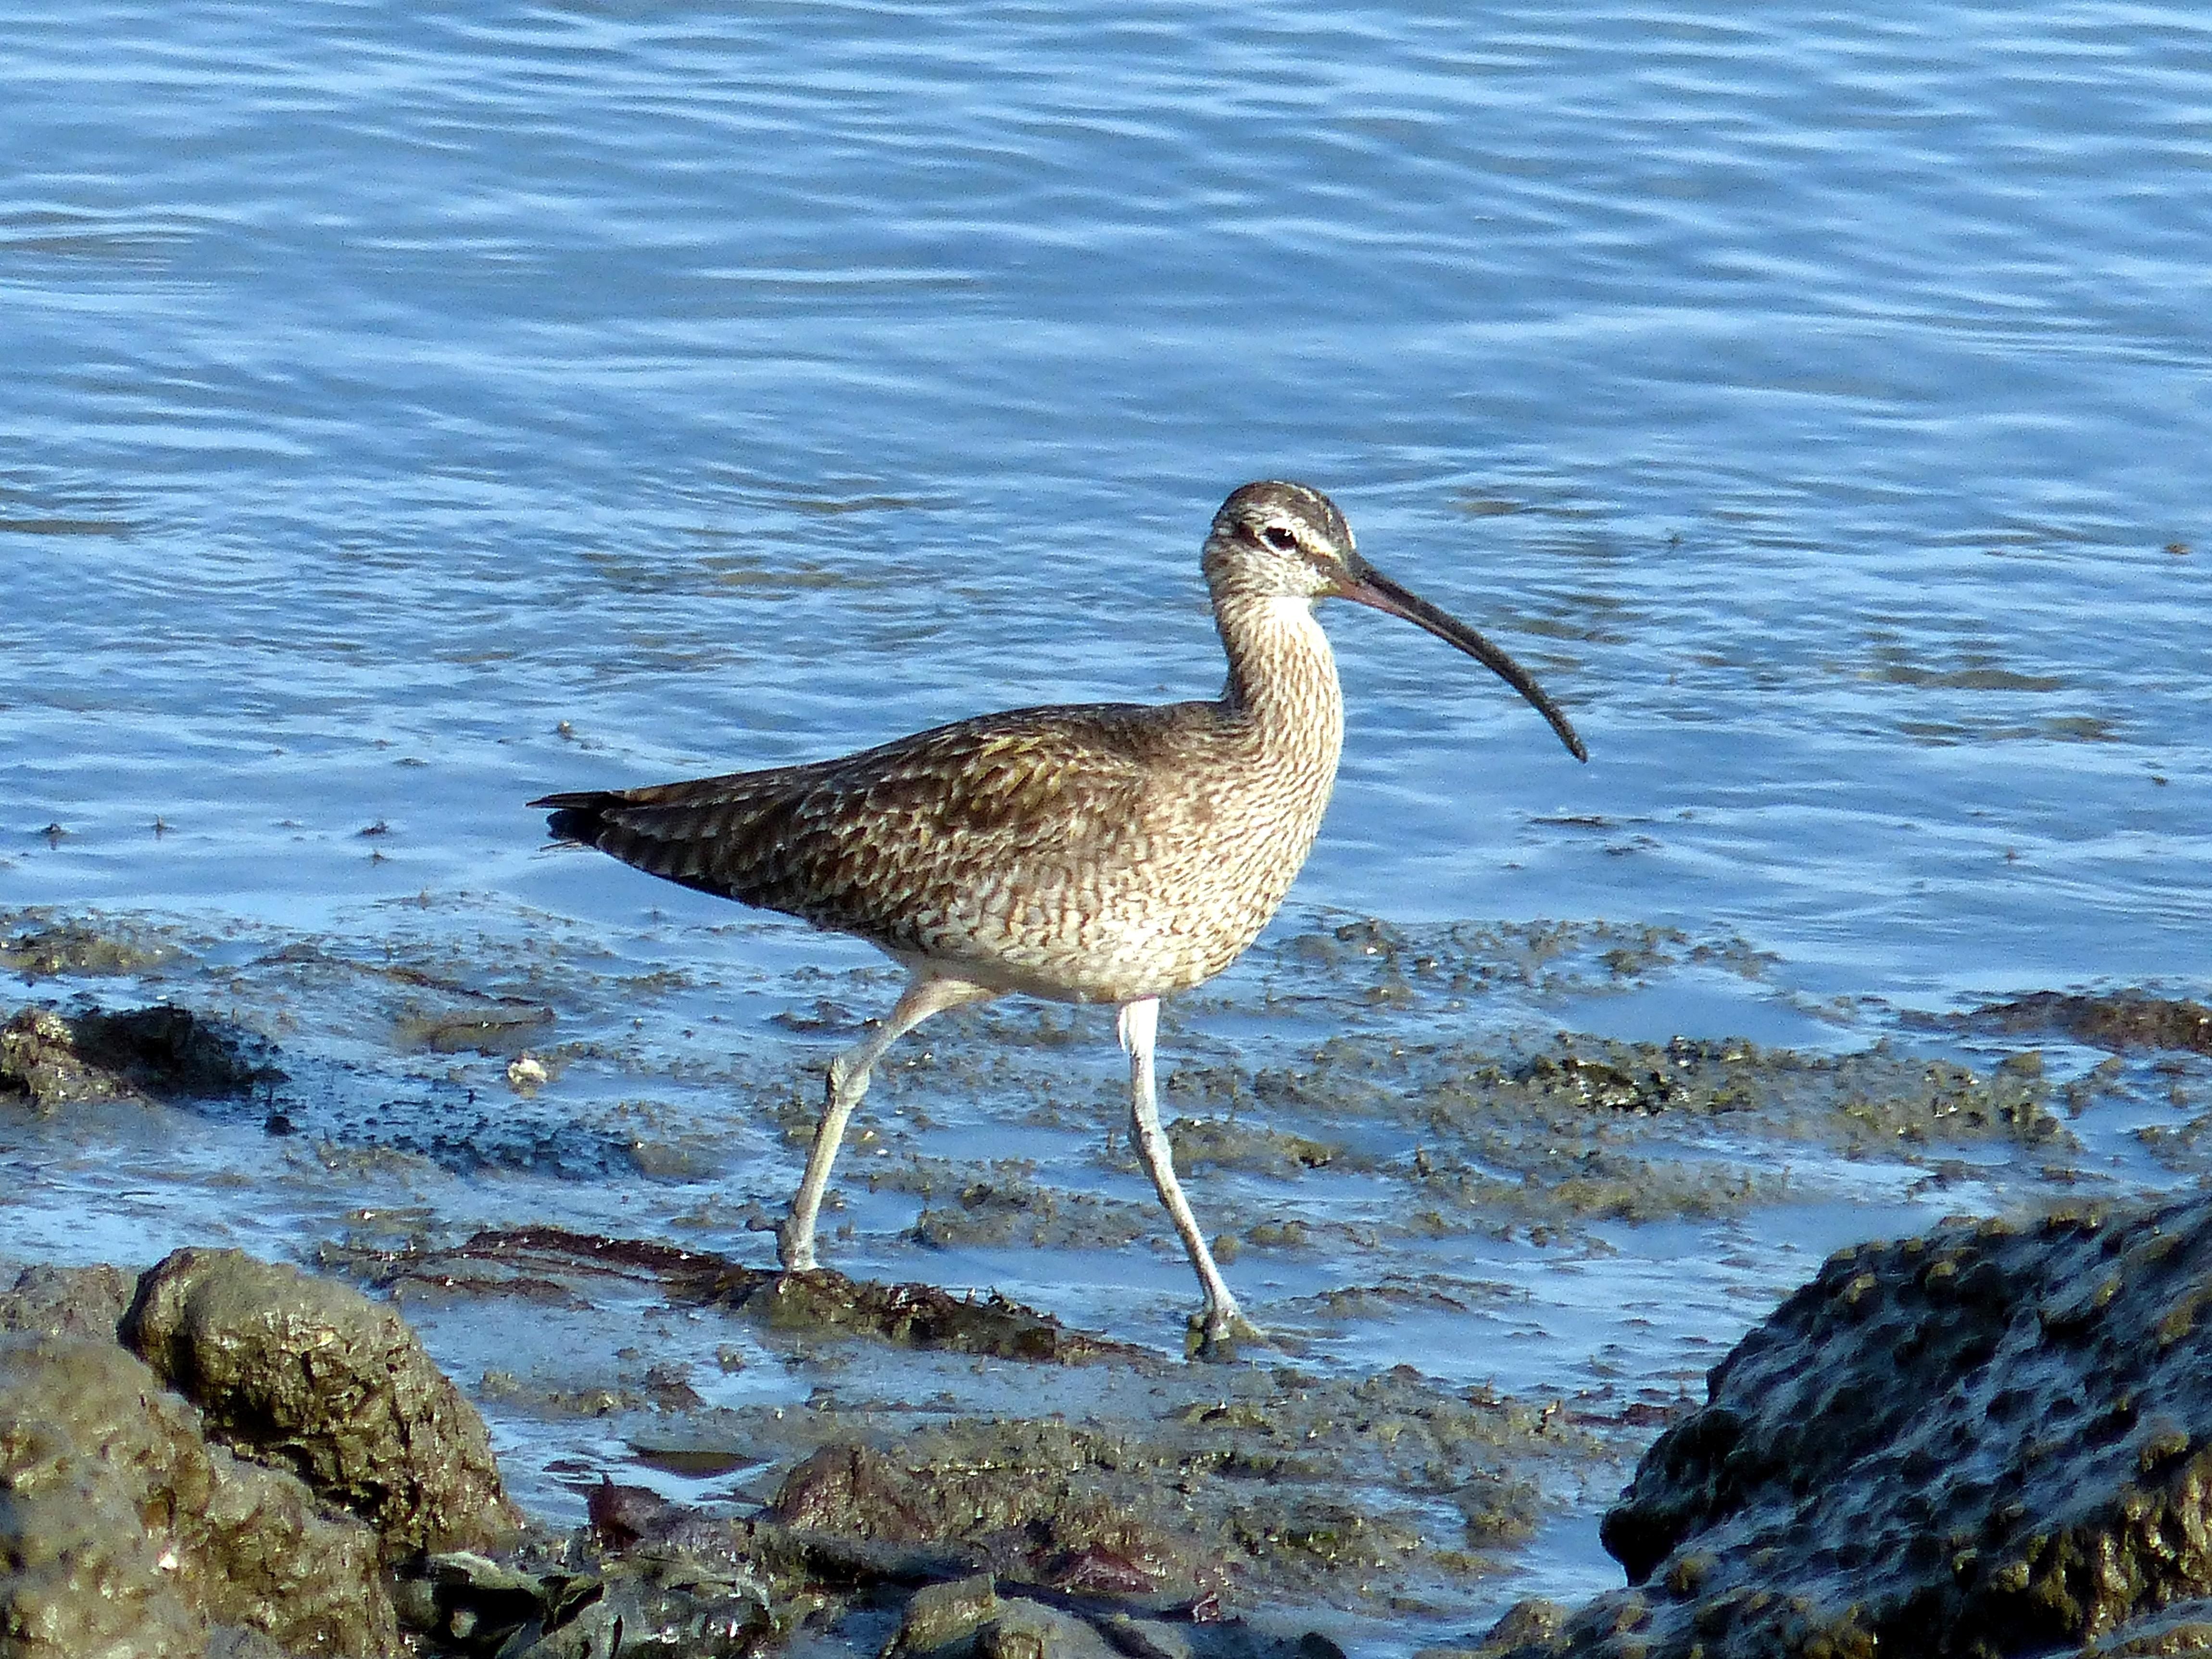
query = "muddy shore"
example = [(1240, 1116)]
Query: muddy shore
[(1993, 1440), (239, 1453)]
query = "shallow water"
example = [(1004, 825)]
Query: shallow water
[(406, 416)]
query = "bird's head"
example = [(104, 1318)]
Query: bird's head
[(1274, 540)]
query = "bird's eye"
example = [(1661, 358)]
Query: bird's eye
[(1281, 539)]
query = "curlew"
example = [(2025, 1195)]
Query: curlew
[(1107, 852)]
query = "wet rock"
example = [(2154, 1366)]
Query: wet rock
[(1994, 1440), (1247, 1489), (161, 1053), (855, 1489), (46, 949), (1524, 1625), (1147, 1638), (1880, 1093), (997, 1212), (79, 1302), (309, 1374), (1015, 1493), (692, 1583), (485, 1025), (620, 1516), (1030, 1630), (819, 1300), (123, 1532), (1027, 1536), (656, 1601), (2120, 1020), (168, 1052), (38, 1057), (941, 1618), (705, 1587), (921, 1316), (491, 1596), (1233, 1144), (2184, 1628)]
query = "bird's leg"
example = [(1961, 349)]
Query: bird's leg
[(925, 994), (1139, 1026)]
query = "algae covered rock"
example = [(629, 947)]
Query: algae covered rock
[(39, 1059), (1021, 1495), (1995, 1439), (159, 1053), (45, 948), (311, 1376), (86, 1450), (122, 1531), (51, 1300)]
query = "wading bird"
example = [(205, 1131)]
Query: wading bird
[(1105, 853)]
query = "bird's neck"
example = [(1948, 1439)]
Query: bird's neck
[(1282, 675)]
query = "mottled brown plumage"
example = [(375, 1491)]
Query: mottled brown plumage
[(1090, 852)]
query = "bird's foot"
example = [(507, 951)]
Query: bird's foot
[(1217, 1332)]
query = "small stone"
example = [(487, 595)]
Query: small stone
[(941, 1614), (1030, 1630), (1148, 1638)]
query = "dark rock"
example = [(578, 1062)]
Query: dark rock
[(2120, 1020), (168, 1052), (698, 1584), (123, 1532), (621, 1515), (309, 1374), (161, 1053), (1266, 1488), (1991, 1440), (921, 1316), (38, 1057), (1147, 1638), (855, 1489), (470, 1601), (840, 1561)]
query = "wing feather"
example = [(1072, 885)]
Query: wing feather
[(888, 843)]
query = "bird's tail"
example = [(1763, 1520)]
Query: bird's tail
[(578, 817)]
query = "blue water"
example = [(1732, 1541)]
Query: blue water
[(1812, 401), (1817, 403)]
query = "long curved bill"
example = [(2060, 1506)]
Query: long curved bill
[(1370, 587)]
